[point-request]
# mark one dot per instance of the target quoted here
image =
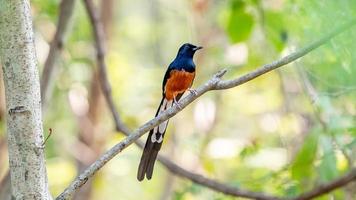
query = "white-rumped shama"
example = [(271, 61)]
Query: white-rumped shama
[(178, 78)]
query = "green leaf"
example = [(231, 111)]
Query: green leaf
[(327, 168), (352, 130), (240, 23), (249, 151), (237, 5), (303, 164), (291, 190), (275, 29), (49, 8)]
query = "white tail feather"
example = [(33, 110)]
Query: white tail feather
[(161, 128)]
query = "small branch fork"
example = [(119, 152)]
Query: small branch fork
[(215, 83)]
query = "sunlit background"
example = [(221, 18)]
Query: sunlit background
[(282, 133)]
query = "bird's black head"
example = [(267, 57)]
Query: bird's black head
[(188, 50)]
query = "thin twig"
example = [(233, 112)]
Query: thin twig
[(65, 14), (285, 60), (99, 35), (325, 188), (49, 135), (313, 95), (213, 184)]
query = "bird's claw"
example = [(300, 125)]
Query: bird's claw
[(178, 104), (193, 91)]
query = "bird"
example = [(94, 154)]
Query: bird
[(178, 79)]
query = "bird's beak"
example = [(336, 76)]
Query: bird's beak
[(197, 48)]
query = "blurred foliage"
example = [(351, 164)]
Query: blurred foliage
[(269, 135), (240, 23)]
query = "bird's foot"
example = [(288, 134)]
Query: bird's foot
[(193, 91), (177, 103)]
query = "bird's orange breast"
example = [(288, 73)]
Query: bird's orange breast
[(178, 82)]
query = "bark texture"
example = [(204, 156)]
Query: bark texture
[(23, 104)]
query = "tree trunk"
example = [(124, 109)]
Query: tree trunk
[(22, 91)]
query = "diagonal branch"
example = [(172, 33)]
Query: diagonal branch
[(99, 35), (213, 184), (215, 83), (285, 60), (65, 14), (323, 189)]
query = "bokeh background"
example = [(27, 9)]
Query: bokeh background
[(282, 133)]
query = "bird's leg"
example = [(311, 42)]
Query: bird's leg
[(177, 103), (193, 91)]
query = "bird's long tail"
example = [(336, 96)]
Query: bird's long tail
[(153, 144)]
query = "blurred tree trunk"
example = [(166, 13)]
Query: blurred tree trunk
[(5, 188), (22, 89), (106, 13), (89, 135)]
